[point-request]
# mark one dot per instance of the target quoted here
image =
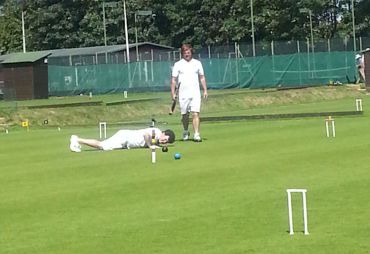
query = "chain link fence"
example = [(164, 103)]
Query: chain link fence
[(269, 64)]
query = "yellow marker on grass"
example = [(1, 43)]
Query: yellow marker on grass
[(25, 124)]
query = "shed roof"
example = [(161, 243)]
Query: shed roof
[(28, 57), (101, 49)]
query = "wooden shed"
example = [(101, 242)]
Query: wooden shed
[(26, 74)]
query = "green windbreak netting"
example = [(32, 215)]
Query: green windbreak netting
[(109, 78), (294, 70)]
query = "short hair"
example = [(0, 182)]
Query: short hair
[(171, 135), (185, 47)]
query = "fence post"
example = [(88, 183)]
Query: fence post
[(273, 60), (308, 55), (272, 47), (299, 62)]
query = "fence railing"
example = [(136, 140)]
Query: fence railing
[(236, 50)]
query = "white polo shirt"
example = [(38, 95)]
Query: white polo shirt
[(126, 139), (187, 74)]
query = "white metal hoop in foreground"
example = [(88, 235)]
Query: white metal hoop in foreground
[(102, 129), (290, 211)]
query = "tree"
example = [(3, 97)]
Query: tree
[(10, 28), (54, 24), (362, 18), (51, 24)]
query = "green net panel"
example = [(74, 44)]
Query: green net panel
[(285, 71)]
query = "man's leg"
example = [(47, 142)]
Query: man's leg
[(185, 124), (90, 142), (196, 126), (362, 74), (75, 143), (196, 122)]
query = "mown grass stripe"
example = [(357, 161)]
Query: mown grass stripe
[(281, 116)]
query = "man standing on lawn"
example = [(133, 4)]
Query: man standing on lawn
[(188, 72)]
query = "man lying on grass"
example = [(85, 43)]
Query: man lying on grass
[(126, 139)]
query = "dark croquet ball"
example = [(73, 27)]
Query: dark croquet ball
[(165, 149)]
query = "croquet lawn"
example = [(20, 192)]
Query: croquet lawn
[(225, 195)]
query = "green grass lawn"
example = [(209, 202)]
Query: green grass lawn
[(147, 105), (225, 195)]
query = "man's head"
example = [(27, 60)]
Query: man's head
[(187, 52), (167, 137)]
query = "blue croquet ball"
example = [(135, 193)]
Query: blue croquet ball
[(177, 156)]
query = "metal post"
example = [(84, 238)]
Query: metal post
[(305, 10), (272, 48), (353, 26), (273, 59), (305, 221), (312, 45), (104, 26), (298, 47), (252, 23), (126, 33), (137, 48), (308, 56), (290, 214), (23, 34), (299, 60), (151, 64)]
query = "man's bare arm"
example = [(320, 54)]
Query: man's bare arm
[(203, 82), (173, 86), (148, 140)]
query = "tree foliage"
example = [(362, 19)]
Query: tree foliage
[(51, 24)]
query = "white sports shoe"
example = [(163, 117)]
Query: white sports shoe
[(185, 135), (74, 145), (197, 137)]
